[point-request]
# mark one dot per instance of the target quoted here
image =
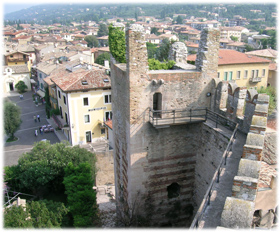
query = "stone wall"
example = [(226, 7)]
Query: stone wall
[(211, 146), (155, 168), (245, 184)]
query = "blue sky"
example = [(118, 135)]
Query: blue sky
[(8, 8)]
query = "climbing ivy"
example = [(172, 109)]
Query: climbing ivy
[(117, 43)]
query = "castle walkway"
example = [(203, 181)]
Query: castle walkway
[(210, 211)]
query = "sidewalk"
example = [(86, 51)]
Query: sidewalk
[(58, 133)]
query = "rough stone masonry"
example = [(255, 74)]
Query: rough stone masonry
[(155, 169)]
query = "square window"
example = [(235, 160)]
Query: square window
[(85, 101), (107, 98), (87, 118), (102, 131)]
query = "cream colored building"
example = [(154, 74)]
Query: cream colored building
[(84, 99), (227, 32), (245, 70), (12, 75)]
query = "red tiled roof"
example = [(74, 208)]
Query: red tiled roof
[(227, 56), (109, 123), (73, 81)]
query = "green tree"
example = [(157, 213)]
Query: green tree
[(15, 217), (151, 48), (163, 50), (117, 43), (81, 197), (103, 30), (41, 170), (179, 20), (234, 38), (37, 214), (154, 30), (92, 41), (43, 217), (101, 58), (12, 119), (157, 65), (21, 86)]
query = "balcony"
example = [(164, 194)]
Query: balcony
[(17, 59), (255, 79), (166, 118)]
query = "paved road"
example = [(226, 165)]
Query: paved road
[(13, 150)]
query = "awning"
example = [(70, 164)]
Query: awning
[(41, 93), (32, 81)]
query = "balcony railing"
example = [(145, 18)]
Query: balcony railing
[(165, 118), (18, 59), (255, 79)]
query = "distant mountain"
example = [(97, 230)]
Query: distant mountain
[(66, 13)]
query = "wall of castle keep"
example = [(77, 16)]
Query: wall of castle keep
[(155, 168), (211, 146)]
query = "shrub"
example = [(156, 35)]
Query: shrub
[(271, 92)]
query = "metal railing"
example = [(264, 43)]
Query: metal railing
[(180, 116), (216, 178), (220, 120), (176, 116)]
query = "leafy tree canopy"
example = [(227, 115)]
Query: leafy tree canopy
[(21, 86), (38, 214), (81, 197), (92, 41), (42, 169), (101, 58), (157, 65), (12, 119), (117, 43), (103, 30)]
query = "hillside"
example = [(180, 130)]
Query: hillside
[(66, 13)]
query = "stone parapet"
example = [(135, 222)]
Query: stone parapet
[(237, 213), (249, 168), (244, 188)]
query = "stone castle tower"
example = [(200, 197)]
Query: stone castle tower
[(156, 170)]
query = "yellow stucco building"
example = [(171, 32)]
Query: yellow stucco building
[(83, 96), (246, 70)]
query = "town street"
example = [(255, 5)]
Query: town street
[(25, 135)]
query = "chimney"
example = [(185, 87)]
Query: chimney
[(106, 63)]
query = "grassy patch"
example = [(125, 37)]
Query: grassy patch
[(12, 139)]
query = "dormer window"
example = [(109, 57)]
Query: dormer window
[(84, 82)]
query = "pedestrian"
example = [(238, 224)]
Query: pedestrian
[(41, 130), (21, 96), (38, 117), (35, 119), (36, 133)]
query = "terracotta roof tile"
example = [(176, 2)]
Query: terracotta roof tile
[(109, 123), (227, 56), (75, 81)]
